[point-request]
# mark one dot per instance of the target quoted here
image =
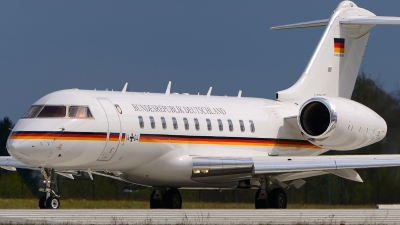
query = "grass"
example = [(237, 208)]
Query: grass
[(125, 204)]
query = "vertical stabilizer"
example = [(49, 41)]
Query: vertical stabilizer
[(333, 68)]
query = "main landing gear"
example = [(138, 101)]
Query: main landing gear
[(50, 200), (161, 198), (270, 198)]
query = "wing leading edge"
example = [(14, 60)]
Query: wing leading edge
[(270, 165)]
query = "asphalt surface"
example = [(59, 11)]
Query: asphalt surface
[(193, 216)]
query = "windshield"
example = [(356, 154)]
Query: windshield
[(52, 111), (79, 112), (58, 111), (33, 111)]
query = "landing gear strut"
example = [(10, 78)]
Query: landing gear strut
[(161, 198), (268, 197), (50, 200)]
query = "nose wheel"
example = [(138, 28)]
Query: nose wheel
[(50, 200), (49, 203)]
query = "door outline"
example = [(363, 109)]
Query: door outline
[(113, 129)]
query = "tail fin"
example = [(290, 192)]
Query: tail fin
[(333, 68)]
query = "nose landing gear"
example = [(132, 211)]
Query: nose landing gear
[(50, 200)]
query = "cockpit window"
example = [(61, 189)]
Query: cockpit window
[(79, 112), (33, 111), (52, 111)]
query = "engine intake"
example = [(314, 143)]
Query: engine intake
[(339, 123), (317, 118)]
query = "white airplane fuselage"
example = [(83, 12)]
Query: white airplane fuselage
[(171, 141), (154, 156)]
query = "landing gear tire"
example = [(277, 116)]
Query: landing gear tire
[(278, 199), (50, 200), (173, 199), (42, 202), (155, 203), (260, 203), (52, 203)]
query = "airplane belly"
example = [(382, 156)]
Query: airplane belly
[(171, 170)]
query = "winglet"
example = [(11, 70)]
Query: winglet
[(209, 92), (168, 91), (125, 87)]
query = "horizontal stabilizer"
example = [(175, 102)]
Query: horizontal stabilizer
[(315, 23), (371, 20)]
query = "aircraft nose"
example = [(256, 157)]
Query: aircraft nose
[(16, 147), (22, 148)]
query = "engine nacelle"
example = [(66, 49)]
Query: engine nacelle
[(340, 124)]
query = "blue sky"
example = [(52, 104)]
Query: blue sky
[(52, 45)]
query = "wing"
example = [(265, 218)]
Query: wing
[(213, 169), (9, 163), (268, 165)]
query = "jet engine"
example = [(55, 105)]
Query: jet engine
[(340, 124)]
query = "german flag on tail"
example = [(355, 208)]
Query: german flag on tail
[(339, 45)]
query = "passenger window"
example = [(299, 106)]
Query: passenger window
[(209, 124), (220, 125), (79, 112), (196, 124), (186, 123), (175, 123), (230, 125), (241, 125), (164, 123), (141, 123), (152, 123), (52, 111), (252, 128), (33, 111)]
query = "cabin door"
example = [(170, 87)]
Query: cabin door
[(113, 132)]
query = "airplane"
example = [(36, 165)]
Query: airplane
[(170, 141)]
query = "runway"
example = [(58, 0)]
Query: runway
[(193, 216)]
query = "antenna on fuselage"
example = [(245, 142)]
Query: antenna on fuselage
[(240, 94), (168, 91), (125, 87), (209, 92)]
